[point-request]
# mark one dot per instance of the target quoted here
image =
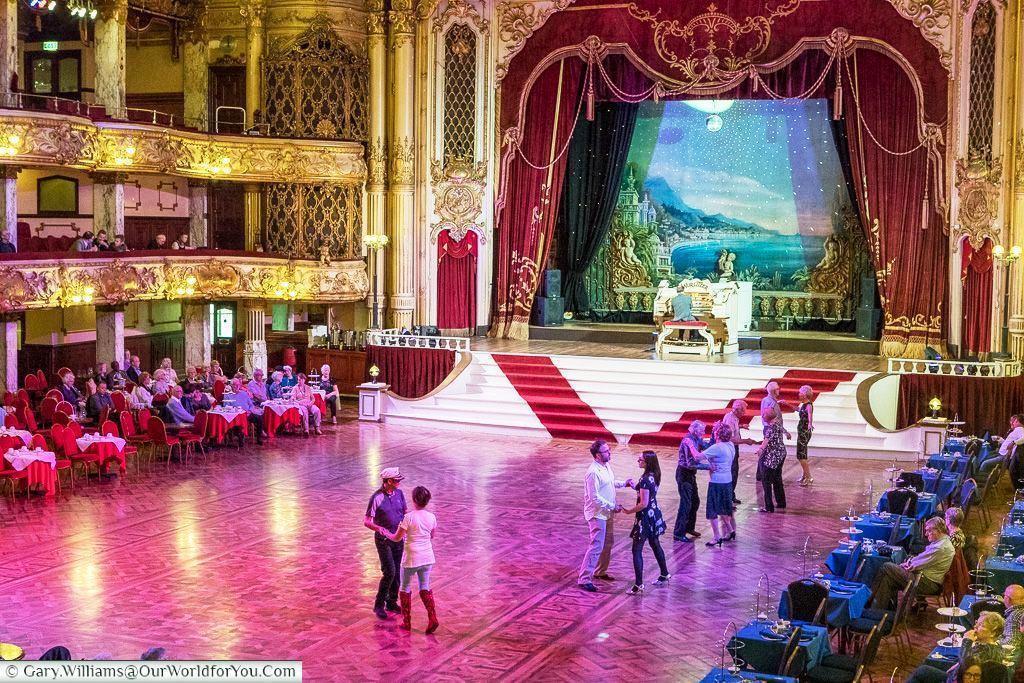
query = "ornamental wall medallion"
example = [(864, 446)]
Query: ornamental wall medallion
[(977, 184), (119, 283), (216, 279), (18, 288), (458, 198)]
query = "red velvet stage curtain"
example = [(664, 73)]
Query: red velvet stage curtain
[(976, 278), (456, 281), (411, 372), (531, 188), (982, 402)]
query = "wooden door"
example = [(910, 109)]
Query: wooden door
[(226, 214), (227, 89)]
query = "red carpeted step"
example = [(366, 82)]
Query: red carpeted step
[(553, 400), (821, 381)]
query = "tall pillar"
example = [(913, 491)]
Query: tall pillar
[(1015, 228), (108, 203), (253, 11), (376, 188), (255, 349), (253, 217), (110, 51), (109, 334), (9, 201), (198, 229), (196, 60), (9, 351), (401, 193), (9, 48), (198, 334)]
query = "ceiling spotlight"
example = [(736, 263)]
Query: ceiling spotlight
[(93, 12), (52, 6), (714, 123)]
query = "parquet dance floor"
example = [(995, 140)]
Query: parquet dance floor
[(261, 554)]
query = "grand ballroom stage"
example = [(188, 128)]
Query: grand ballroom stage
[(261, 554)]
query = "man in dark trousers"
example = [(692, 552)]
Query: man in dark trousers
[(385, 511)]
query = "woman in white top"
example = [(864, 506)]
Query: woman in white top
[(142, 396), (169, 372), (418, 526)]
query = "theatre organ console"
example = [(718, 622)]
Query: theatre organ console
[(716, 307)]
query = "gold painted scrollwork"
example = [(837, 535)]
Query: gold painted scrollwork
[(934, 19), (120, 283), (403, 160), (517, 21), (459, 191), (977, 183), (18, 288)]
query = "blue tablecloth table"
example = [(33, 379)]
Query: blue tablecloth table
[(841, 607), (762, 654), (1012, 536), (879, 528), (840, 557), (926, 503), (718, 675), (949, 483), (1004, 573), (946, 461)]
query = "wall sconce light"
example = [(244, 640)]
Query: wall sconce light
[(124, 156), (183, 288), (935, 405), (11, 145), (75, 294)]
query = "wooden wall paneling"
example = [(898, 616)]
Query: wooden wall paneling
[(139, 230)]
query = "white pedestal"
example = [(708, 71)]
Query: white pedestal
[(933, 435), (371, 401), (745, 305)]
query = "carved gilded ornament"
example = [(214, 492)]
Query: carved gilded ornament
[(1020, 161), (403, 158), (517, 21), (462, 10), (113, 10), (977, 184), (933, 18), (120, 283), (376, 24), (17, 288), (459, 194), (402, 22), (378, 162), (42, 140), (253, 11)]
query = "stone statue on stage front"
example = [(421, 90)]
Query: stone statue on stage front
[(726, 266)]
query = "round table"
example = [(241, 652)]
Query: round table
[(218, 424)]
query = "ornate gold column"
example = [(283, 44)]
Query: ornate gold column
[(253, 217), (198, 232), (377, 156), (254, 350), (8, 47), (253, 11), (1014, 38), (110, 51), (196, 59), (401, 192), (109, 334), (108, 204)]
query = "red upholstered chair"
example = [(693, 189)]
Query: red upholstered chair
[(144, 416), (23, 396), (47, 408), (55, 395), (61, 418), (31, 382), (9, 398), (65, 407), (120, 401), (57, 438), (63, 464), (109, 428), (76, 456), (12, 476), (158, 435), (218, 390), (195, 435), (63, 371), (11, 421), (75, 428), (131, 435), (41, 379)]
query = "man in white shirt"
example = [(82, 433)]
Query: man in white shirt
[(598, 507), (1014, 438), (732, 419), (932, 563), (771, 401)]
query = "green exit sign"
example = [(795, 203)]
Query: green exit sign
[(51, 45)]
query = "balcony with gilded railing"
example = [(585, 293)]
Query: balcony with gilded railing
[(54, 132), (109, 278)]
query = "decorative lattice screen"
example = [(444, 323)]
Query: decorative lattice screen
[(303, 219), (459, 93), (983, 81), (316, 88)]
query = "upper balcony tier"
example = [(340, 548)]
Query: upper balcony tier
[(111, 278), (71, 137)]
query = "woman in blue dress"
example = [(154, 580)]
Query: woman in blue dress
[(649, 524)]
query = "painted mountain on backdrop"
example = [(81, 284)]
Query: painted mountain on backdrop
[(685, 218)]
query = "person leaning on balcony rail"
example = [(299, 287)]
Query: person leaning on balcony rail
[(6, 245), (100, 241), (182, 242), (84, 243), (119, 244), (158, 242)]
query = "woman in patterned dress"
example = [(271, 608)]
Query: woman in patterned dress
[(770, 458), (803, 432), (649, 523)]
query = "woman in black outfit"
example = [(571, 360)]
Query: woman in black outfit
[(649, 524)]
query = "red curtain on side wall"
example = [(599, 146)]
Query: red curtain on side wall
[(976, 278), (982, 402), (410, 372), (531, 188), (456, 281)]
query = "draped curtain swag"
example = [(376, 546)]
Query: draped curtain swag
[(883, 80), (976, 277), (456, 281)]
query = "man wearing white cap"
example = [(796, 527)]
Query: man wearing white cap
[(385, 512)]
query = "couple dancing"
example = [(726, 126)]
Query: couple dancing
[(599, 508)]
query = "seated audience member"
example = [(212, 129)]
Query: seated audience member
[(981, 646), (161, 385), (98, 401), (175, 410), (1013, 438), (102, 373), (69, 391), (196, 400), (6, 245), (303, 393), (119, 244), (331, 393), (169, 371), (932, 564), (182, 242), (142, 394), (216, 372), (83, 243), (288, 378), (276, 388), (116, 378), (158, 242), (134, 370), (241, 398), (1013, 632), (258, 388), (100, 241)]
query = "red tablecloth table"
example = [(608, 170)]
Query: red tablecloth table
[(40, 466), (318, 401), (219, 424), (107, 448), (278, 415)]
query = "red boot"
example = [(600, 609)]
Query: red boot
[(405, 600), (428, 601)]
